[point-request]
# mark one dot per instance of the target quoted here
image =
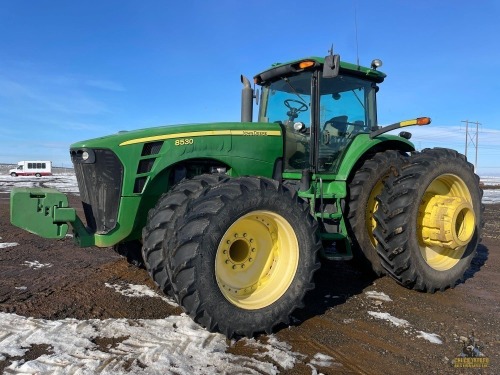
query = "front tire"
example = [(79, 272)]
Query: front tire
[(429, 220), (13, 174), (245, 256), (158, 234)]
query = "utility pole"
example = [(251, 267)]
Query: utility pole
[(472, 139)]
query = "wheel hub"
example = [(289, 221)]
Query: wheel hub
[(256, 259), (447, 222), (238, 250)]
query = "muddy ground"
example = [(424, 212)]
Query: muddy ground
[(340, 318)]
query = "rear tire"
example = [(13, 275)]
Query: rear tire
[(429, 220), (38, 175), (364, 187), (158, 234), (245, 256)]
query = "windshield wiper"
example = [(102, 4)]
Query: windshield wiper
[(293, 90), (359, 100)]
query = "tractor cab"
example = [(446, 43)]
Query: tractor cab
[(320, 113)]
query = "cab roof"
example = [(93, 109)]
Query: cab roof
[(279, 70)]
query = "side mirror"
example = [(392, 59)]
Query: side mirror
[(331, 66)]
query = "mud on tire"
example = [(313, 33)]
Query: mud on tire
[(429, 220), (158, 234), (245, 256)]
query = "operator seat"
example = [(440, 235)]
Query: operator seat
[(336, 126), (333, 138)]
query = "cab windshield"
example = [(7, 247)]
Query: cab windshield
[(346, 108), (287, 101)]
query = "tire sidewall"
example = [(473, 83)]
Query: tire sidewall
[(206, 284), (365, 252), (442, 279)]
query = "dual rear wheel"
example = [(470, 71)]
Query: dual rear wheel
[(241, 257), (416, 218), (429, 220)]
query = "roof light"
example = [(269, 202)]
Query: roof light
[(423, 121), (376, 63), (306, 64)]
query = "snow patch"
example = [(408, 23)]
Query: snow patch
[(36, 264), (391, 319), (381, 296), (323, 360), (491, 196), (174, 345), (4, 245), (431, 337), (277, 351), (138, 291)]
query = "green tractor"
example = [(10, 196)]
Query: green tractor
[(231, 219)]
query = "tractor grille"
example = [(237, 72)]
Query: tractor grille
[(99, 178)]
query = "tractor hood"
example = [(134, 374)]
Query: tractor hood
[(124, 138)]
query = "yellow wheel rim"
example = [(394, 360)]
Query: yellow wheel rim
[(446, 222), (371, 207), (256, 260)]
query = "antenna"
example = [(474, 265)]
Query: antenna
[(356, 29)]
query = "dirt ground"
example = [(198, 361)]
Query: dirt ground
[(341, 319)]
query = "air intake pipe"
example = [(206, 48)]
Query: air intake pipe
[(246, 100)]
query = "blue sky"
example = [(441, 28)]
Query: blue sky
[(75, 70)]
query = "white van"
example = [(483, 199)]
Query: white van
[(36, 168)]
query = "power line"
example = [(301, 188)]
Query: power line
[(473, 140)]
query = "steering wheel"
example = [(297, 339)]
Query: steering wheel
[(303, 106), (293, 112)]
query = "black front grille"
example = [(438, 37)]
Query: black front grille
[(100, 184), (151, 148), (145, 166)]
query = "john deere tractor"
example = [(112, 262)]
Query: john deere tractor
[(231, 219)]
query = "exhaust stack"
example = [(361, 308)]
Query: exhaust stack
[(246, 100)]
